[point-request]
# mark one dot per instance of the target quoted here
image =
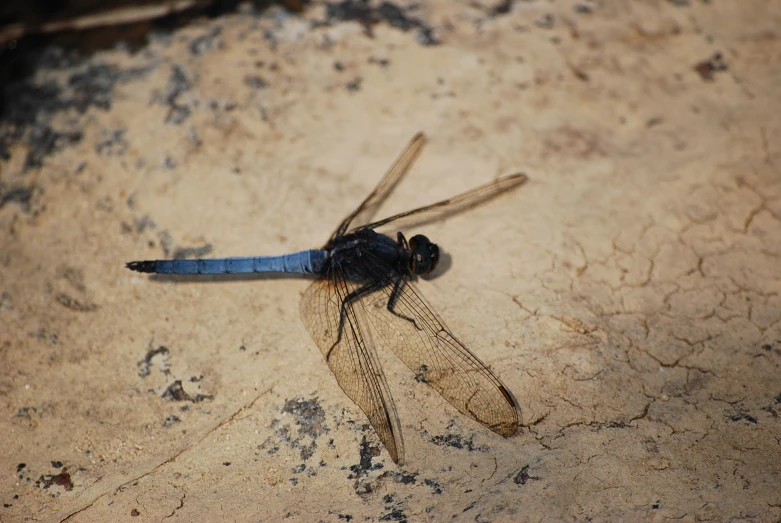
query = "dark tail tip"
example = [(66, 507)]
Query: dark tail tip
[(141, 266)]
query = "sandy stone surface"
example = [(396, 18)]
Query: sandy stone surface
[(629, 294)]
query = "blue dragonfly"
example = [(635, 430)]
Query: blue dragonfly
[(364, 280)]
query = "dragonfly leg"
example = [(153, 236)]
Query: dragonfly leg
[(402, 241), (353, 296), (397, 288)]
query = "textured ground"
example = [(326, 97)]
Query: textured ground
[(629, 294)]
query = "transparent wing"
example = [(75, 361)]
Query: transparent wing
[(453, 205), (420, 339), (366, 209), (352, 358)]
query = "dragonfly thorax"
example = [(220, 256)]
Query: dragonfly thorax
[(424, 255)]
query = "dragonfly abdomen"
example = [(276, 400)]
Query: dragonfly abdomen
[(303, 262)]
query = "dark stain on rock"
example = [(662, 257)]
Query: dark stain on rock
[(255, 82), (501, 8), (114, 144), (178, 84), (25, 414), (354, 85), (94, 86), (73, 304), (367, 453), (395, 509), (44, 141), (170, 421), (742, 416), (382, 62), (396, 514), (458, 442), (145, 365), (175, 392), (707, 68), (63, 479), (19, 195), (143, 223), (522, 477), (368, 16), (309, 417), (205, 43), (433, 485), (404, 479), (74, 276), (51, 338)]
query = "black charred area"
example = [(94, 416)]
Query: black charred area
[(29, 100), (28, 103)]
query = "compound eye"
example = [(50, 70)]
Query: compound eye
[(424, 255)]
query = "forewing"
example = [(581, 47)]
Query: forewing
[(420, 339), (352, 358), (454, 205), (366, 209)]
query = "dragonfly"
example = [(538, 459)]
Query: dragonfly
[(364, 285)]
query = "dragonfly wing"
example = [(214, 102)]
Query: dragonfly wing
[(351, 356), (366, 209), (454, 205), (420, 339)]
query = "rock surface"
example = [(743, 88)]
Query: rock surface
[(629, 294)]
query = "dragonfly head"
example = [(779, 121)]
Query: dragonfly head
[(424, 255)]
